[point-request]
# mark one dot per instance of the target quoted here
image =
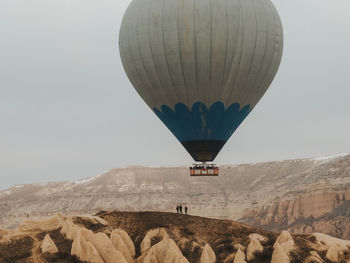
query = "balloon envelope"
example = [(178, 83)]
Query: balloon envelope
[(201, 65)]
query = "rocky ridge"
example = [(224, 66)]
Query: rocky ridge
[(152, 237), (304, 196)]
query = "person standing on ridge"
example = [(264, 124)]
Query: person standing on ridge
[(186, 209), (180, 209), (177, 209)]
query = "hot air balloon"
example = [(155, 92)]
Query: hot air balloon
[(201, 65)]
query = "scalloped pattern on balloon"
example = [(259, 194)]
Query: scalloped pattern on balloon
[(201, 123)]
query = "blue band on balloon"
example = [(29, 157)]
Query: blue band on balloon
[(199, 123)]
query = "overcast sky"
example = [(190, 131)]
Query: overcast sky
[(67, 109)]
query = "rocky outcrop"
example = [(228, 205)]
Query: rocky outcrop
[(69, 229), (239, 257), (180, 239), (272, 188), (282, 248), (239, 246), (158, 233), (48, 246), (50, 224), (254, 247), (337, 249), (165, 251), (106, 249), (286, 242), (84, 250), (308, 205), (123, 243), (322, 206), (208, 255), (279, 255)]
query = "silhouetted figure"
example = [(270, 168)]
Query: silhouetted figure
[(177, 209), (186, 209), (180, 209)]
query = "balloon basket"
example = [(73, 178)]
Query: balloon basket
[(204, 169)]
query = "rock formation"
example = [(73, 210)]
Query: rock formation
[(336, 248), (285, 240), (159, 233), (48, 246), (279, 255), (106, 249), (282, 248), (162, 238), (69, 229), (312, 195), (253, 247), (239, 257), (42, 225), (208, 255), (239, 246), (165, 251), (123, 243), (84, 250)]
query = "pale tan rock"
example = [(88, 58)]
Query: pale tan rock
[(48, 245), (288, 246), (157, 232), (106, 249), (50, 224), (239, 246), (253, 247), (329, 240), (286, 242), (334, 252), (120, 245), (279, 255), (69, 229), (87, 233), (239, 257), (208, 255), (165, 251), (84, 250), (335, 247), (285, 236), (127, 240), (258, 237)]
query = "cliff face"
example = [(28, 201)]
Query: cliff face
[(294, 194), (320, 212), (319, 206)]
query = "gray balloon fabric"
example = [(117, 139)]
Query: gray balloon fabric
[(201, 65)]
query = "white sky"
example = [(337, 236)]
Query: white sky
[(67, 109)]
